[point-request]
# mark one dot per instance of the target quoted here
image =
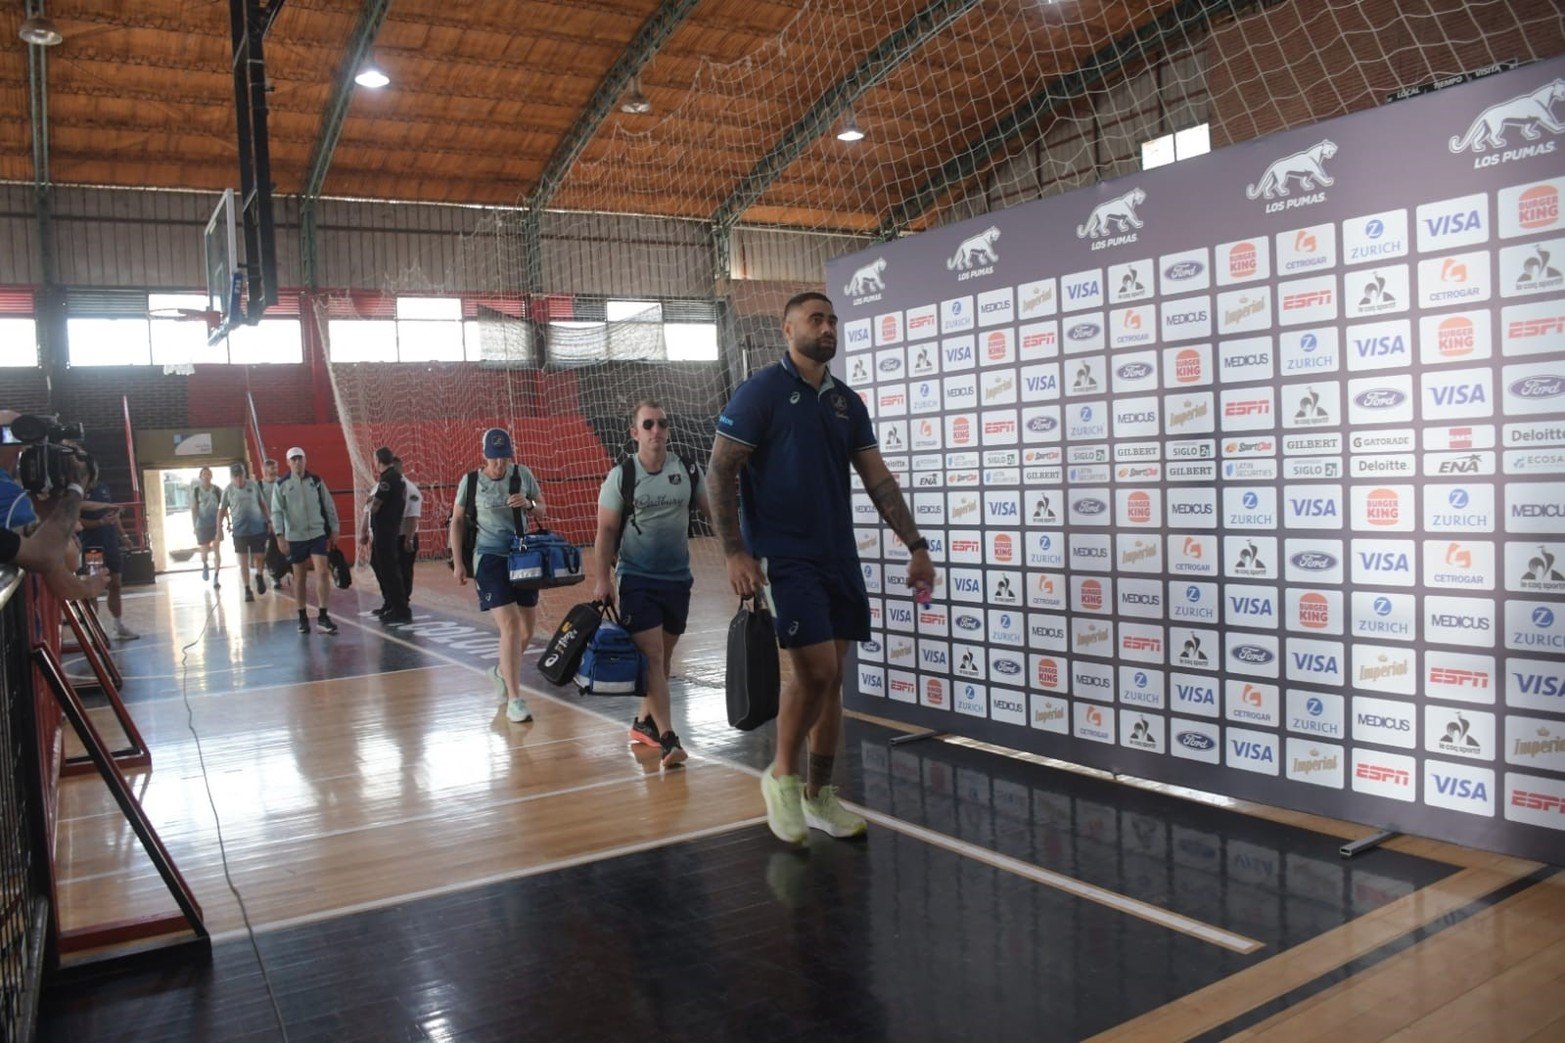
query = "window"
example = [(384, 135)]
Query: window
[(691, 341), (18, 342), (269, 341), (577, 342), (1170, 148), (362, 340), (109, 342), (497, 338)]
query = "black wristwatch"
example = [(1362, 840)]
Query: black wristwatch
[(918, 545)]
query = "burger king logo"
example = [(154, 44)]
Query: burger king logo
[(1091, 595), (1383, 507), (1139, 508), (1187, 366), (995, 345), (1242, 261), (1314, 611), (1456, 337), (961, 430), (1002, 548), (1048, 673), (1538, 207)]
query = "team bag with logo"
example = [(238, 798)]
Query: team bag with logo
[(541, 559), (563, 653), (611, 664), (753, 678)]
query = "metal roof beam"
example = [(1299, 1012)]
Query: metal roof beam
[(876, 66), (371, 18), (654, 32), (1178, 22)]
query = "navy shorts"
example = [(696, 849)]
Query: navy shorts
[(646, 603), (494, 584), (814, 601), (250, 544), (300, 551)]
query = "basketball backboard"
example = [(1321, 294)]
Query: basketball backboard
[(223, 279)]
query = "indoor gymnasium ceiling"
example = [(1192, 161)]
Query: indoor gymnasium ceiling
[(485, 94)]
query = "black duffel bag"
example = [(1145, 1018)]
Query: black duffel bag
[(753, 678)]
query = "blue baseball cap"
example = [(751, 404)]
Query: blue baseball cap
[(497, 444)]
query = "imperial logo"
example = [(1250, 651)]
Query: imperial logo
[(1383, 507), (1538, 207), (1456, 337), (1546, 386), (1243, 262), (1379, 398), (1314, 611)]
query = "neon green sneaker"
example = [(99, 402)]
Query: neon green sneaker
[(784, 806), (826, 813)]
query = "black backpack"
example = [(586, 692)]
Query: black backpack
[(470, 513), (627, 489)]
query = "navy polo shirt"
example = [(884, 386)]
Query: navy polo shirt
[(794, 495)]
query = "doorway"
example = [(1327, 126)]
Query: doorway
[(169, 526)]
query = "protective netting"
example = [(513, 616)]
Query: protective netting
[(966, 106)]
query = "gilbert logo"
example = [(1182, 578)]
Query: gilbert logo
[(1112, 223), (1528, 113), (1307, 168), (867, 282), (975, 255)]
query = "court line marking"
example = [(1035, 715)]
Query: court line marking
[(556, 865), (229, 692), (433, 813), (1091, 892)]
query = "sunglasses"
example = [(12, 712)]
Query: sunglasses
[(661, 424)]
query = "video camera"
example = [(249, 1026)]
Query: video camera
[(46, 466)]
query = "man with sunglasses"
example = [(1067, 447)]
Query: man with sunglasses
[(782, 509), (651, 536)]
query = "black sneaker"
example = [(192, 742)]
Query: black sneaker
[(644, 732), (673, 754), (304, 623), (249, 594), (260, 583), (397, 615), (378, 612), (325, 623)]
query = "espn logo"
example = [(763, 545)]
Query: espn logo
[(1531, 801), (1382, 773), (1478, 679)]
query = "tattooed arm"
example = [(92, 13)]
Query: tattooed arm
[(888, 500), (744, 572)]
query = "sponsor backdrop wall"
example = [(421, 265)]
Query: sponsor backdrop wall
[(1246, 473)]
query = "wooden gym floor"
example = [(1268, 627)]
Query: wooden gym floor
[(417, 868)]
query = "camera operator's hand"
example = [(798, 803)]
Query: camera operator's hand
[(80, 469)]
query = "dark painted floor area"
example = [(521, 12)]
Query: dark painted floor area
[(732, 937)]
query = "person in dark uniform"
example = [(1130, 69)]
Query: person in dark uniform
[(386, 509)]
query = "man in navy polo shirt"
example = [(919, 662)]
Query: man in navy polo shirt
[(780, 493)]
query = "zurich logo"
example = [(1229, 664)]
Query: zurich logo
[(1250, 501), (1195, 741), (1309, 342), (1375, 229), (1005, 621), (1086, 414), (1252, 654), (1380, 398), (1382, 606), (1192, 594), (1045, 542), (1084, 331), (1313, 561), (1315, 707), (1542, 617), (1458, 498), (1141, 679)]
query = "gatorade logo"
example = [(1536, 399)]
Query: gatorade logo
[(1456, 337), (1538, 207)]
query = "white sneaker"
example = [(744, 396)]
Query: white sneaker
[(516, 711), (123, 632)]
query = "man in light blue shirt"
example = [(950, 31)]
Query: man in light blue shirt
[(651, 536), (245, 513)]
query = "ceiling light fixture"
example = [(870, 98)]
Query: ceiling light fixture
[(40, 31), (636, 103), (850, 128), (372, 78)]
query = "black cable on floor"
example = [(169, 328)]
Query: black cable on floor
[(190, 723)]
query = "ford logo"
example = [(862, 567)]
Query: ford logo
[(1538, 387), (1313, 561), (1252, 654), (1007, 667), (1084, 331), (871, 647), (890, 365), (1042, 423), (1380, 398), (1195, 741), (968, 623), (1133, 370), (1184, 270), (1090, 506)]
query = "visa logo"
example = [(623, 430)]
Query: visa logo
[(934, 657), (1380, 347), (1249, 605), (1384, 561), (1467, 789), (960, 353), (1459, 395), (1308, 507), (1453, 223), (1002, 510), (1083, 289), (1315, 662), (1540, 684), (1044, 383), (967, 584), (1245, 749), (1195, 693)]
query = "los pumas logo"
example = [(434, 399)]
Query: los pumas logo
[(1530, 113), (868, 282), (975, 255), (1307, 168), (1113, 223)]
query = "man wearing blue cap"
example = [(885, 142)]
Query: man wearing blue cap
[(495, 497)]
